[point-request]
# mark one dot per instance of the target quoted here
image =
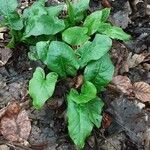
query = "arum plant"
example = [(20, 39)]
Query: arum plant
[(67, 45)]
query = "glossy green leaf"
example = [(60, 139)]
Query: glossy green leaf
[(94, 109), (88, 92), (93, 21), (99, 72), (41, 88), (79, 123), (81, 119), (60, 58), (75, 35), (94, 51), (113, 32)]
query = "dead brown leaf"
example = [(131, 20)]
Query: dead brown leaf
[(142, 91), (135, 60), (106, 3), (78, 81), (123, 83), (5, 54), (15, 124)]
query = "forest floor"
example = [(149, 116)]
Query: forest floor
[(126, 115)]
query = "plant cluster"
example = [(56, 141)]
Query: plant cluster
[(67, 44)]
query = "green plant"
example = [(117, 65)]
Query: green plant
[(67, 45)]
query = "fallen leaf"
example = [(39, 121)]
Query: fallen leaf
[(107, 120), (147, 139), (12, 109), (4, 147), (15, 124), (123, 83), (135, 60), (142, 91), (106, 3), (2, 36), (55, 103), (3, 29), (5, 54), (79, 81)]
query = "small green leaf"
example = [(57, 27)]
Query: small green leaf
[(55, 10), (42, 50), (113, 32), (36, 9), (75, 35), (79, 124), (94, 109), (76, 10), (88, 92), (15, 38), (32, 54), (99, 72), (105, 14), (93, 21), (94, 51), (41, 88), (59, 57), (7, 6), (14, 21)]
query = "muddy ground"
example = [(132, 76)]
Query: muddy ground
[(126, 119)]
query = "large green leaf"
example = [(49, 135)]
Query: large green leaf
[(94, 109), (60, 58), (95, 50), (79, 123), (99, 72), (93, 21), (75, 35), (113, 32), (88, 92), (41, 87), (82, 117), (43, 25), (42, 21)]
